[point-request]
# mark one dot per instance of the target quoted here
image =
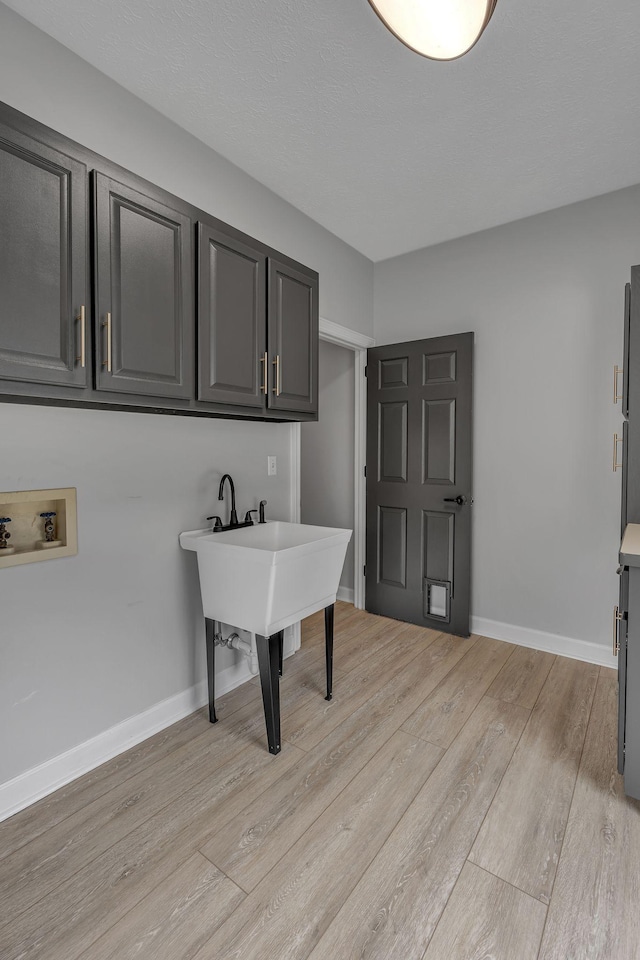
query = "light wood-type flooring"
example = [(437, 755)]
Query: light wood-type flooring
[(457, 800)]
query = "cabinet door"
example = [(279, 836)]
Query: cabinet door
[(293, 339), (43, 263), (232, 332), (625, 362), (631, 701), (621, 626), (144, 294), (624, 513)]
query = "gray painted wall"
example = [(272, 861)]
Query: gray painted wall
[(91, 640), (545, 298), (46, 81), (327, 450)]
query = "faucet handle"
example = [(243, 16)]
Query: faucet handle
[(247, 516), (218, 522)]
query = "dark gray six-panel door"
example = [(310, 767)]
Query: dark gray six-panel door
[(419, 474), (144, 300), (43, 264)]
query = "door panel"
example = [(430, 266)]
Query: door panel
[(439, 441), (393, 373), (392, 546), (144, 282), (231, 320), (392, 458), (419, 452), (43, 263), (293, 339)]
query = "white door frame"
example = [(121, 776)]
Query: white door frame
[(357, 342)]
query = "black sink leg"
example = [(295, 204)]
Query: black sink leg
[(328, 636), (211, 666), (280, 651), (268, 657)]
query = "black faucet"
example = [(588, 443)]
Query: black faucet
[(233, 522)]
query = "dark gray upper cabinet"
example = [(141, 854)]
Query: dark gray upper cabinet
[(44, 336), (232, 330), (98, 285), (144, 294), (293, 338)]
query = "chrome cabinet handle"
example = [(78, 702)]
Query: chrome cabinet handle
[(81, 319), (616, 441), (263, 359), (617, 617), (277, 388), (616, 371), (107, 323)]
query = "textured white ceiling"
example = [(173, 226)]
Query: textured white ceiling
[(389, 151)]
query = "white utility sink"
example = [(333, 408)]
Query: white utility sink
[(265, 577)]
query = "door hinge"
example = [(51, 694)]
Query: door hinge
[(365, 471), (364, 571), (366, 370)]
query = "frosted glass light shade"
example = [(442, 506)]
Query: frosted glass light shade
[(438, 29)]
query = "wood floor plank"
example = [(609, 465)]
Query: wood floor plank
[(394, 909), (67, 921), (365, 642), (521, 837), (347, 632), (355, 843), (594, 908), (309, 664), (175, 920), (291, 908), (40, 817), (387, 679), (487, 918), (442, 715), (345, 615), (522, 677), (253, 842), (31, 872)]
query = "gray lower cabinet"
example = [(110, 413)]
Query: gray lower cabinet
[(629, 679), (44, 337), (143, 294), (232, 332), (293, 338), (620, 626)]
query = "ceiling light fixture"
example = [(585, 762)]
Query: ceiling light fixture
[(437, 29)]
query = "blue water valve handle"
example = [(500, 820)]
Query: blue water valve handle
[(4, 534), (50, 513)]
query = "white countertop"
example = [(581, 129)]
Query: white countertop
[(630, 546)]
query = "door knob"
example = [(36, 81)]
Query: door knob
[(460, 500)]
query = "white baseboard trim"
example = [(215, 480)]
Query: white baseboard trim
[(42, 780), (346, 594), (548, 642)]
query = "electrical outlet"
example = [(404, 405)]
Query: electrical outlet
[(272, 467)]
